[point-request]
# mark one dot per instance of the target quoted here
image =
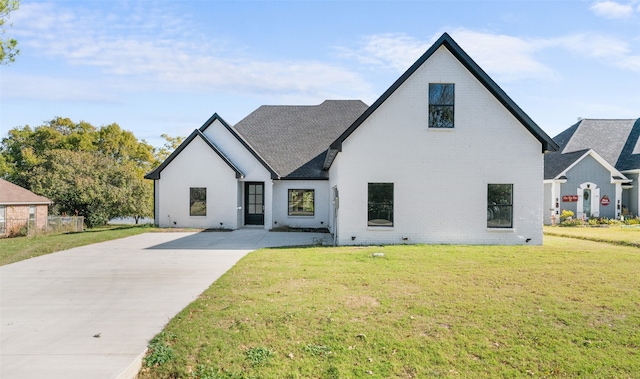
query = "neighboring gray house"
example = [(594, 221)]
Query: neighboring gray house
[(595, 171), (443, 156)]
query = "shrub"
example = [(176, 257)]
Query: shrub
[(571, 222), (566, 214), (632, 221)]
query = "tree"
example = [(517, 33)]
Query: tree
[(98, 172), (169, 146), (8, 47)]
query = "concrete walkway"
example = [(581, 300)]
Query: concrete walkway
[(89, 312)]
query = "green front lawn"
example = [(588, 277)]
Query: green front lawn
[(569, 308), (628, 235), (21, 248)]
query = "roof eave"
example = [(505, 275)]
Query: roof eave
[(26, 202)]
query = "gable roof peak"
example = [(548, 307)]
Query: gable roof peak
[(448, 42)]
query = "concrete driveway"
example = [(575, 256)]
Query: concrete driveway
[(89, 312)]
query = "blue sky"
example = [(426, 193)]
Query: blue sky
[(158, 67)]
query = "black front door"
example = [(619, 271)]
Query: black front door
[(254, 203)]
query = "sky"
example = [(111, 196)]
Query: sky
[(155, 67)]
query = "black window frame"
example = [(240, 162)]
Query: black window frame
[(197, 195), (499, 206), (442, 104), (380, 201), (299, 206)]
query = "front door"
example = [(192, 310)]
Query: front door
[(586, 205), (254, 203)]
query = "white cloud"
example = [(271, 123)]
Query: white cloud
[(510, 58), (612, 9), (606, 49), (156, 52), (395, 51), (506, 57)]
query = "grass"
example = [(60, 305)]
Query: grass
[(615, 234), (21, 248), (569, 308)]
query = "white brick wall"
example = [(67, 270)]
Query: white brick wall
[(320, 219), (197, 166), (440, 176)]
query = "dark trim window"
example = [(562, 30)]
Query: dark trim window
[(441, 105), (197, 201), (500, 206), (380, 204), (301, 202)]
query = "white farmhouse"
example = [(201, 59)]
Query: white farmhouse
[(443, 156)]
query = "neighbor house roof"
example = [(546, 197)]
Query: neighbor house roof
[(616, 141), (155, 174), (294, 139), (12, 194), (445, 40)]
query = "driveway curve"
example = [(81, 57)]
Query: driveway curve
[(89, 312)]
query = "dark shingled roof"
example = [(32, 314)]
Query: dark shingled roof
[(616, 141), (14, 194), (555, 163), (293, 140)]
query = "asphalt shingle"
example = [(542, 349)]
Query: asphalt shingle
[(294, 139)]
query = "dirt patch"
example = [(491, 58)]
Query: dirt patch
[(361, 302)]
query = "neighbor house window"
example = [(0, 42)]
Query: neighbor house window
[(380, 206), (198, 201), (3, 220), (500, 206), (441, 104), (301, 202)]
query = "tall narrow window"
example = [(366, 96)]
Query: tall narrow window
[(198, 201), (380, 205), (301, 202), (500, 206), (3, 220), (441, 105)]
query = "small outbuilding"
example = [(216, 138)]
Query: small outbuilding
[(21, 209)]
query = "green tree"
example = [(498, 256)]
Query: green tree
[(8, 47), (98, 172), (171, 143)]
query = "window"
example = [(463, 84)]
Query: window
[(3, 220), (198, 201), (441, 101), (301, 202), (500, 206), (32, 216), (380, 207)]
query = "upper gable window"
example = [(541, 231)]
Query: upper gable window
[(441, 104)]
